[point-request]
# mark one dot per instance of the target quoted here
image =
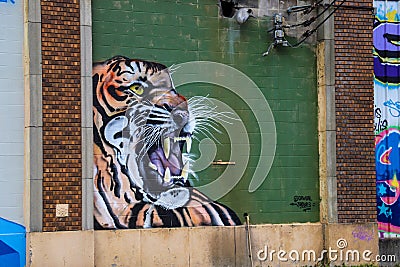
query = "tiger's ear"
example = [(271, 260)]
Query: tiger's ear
[(118, 57)]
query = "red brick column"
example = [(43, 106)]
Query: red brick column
[(354, 95), (61, 113)]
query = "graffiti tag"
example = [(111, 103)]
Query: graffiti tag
[(7, 1), (362, 233), (394, 107), (379, 124), (386, 48), (303, 202)]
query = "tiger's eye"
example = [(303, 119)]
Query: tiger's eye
[(137, 89)]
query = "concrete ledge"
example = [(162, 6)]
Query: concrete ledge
[(118, 248), (203, 246), (75, 249), (268, 240), (350, 237), (212, 247)]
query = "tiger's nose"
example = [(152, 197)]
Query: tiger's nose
[(180, 116)]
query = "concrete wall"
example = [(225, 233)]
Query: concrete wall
[(201, 246), (390, 246), (11, 111), (60, 249)]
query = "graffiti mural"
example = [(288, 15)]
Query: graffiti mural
[(253, 163), (12, 244), (386, 116), (387, 170), (7, 1), (143, 130)]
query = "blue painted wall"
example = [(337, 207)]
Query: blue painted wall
[(12, 244)]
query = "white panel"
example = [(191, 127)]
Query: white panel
[(7, 82), (11, 136), (12, 124), (13, 200), (9, 161), (11, 149), (7, 59), (9, 213), (11, 111), (16, 110), (14, 70), (7, 175)]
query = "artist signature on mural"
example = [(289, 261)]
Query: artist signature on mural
[(394, 107), (303, 202), (362, 233), (379, 124), (7, 1)]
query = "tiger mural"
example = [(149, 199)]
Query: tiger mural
[(143, 130)]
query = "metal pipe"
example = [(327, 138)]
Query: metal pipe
[(367, 8), (248, 237), (297, 8)]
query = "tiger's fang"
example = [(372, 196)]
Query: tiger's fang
[(167, 175), (185, 171), (166, 147), (153, 166), (188, 144)]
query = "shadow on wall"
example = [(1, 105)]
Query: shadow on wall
[(12, 244)]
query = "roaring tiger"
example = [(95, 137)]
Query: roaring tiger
[(143, 133)]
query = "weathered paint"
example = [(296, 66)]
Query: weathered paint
[(322, 132), (69, 248), (200, 246)]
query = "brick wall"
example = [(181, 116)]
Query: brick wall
[(354, 113), (61, 113)]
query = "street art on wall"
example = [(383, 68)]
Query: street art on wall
[(388, 190), (387, 113), (7, 1), (12, 244), (252, 162), (143, 130)]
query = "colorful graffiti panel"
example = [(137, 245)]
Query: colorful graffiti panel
[(386, 115)]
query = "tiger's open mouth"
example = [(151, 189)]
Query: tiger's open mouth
[(167, 161)]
